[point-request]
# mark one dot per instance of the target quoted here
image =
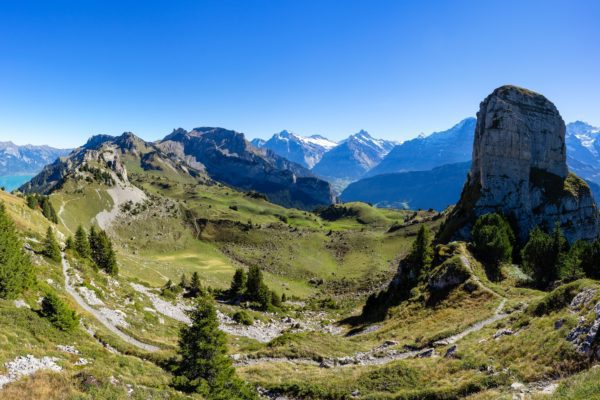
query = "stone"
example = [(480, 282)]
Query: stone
[(584, 335), (519, 169), (502, 332), (451, 352), (426, 353)]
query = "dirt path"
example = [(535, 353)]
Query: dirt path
[(379, 355), (101, 318)]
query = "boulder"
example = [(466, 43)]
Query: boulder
[(519, 169)]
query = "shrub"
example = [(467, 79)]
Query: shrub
[(59, 313), (493, 239), (243, 317)]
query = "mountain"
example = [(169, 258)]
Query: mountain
[(28, 159), (229, 158), (426, 152), (105, 159), (352, 158), (437, 188), (583, 150), (306, 151), (520, 169)]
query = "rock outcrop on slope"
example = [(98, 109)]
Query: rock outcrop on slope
[(519, 169)]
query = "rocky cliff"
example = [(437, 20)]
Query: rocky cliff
[(519, 169)]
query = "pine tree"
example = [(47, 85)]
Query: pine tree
[(82, 244), (195, 288), (493, 239), (70, 243), (16, 271), (59, 313), (421, 253), (102, 251), (254, 283), (238, 283), (51, 246), (538, 256), (184, 282), (205, 367), (48, 210)]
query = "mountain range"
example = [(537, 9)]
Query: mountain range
[(27, 159), (291, 169), (217, 154)]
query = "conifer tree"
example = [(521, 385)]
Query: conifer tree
[(205, 366), (238, 283), (51, 246), (59, 313), (70, 243), (421, 254), (538, 256), (82, 243), (195, 288), (184, 282), (254, 282), (16, 271)]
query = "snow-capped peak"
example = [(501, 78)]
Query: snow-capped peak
[(585, 133)]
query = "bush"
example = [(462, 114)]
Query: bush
[(243, 317), (57, 312), (493, 239), (542, 254)]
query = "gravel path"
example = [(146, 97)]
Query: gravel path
[(379, 355), (98, 315)]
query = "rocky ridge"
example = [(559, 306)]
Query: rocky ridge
[(519, 169)]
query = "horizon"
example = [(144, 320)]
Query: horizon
[(396, 70)]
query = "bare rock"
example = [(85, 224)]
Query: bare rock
[(519, 169)]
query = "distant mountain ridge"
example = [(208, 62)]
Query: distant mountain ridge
[(27, 159), (306, 151), (352, 157), (437, 188), (426, 152)]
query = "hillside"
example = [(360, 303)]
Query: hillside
[(437, 188)]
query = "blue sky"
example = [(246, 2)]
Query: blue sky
[(395, 68)]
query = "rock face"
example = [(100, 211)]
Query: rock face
[(519, 169)]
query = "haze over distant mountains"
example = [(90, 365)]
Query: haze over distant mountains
[(27, 159)]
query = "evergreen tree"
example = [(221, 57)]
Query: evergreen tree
[(283, 298), (205, 367), (421, 253), (238, 283), (16, 271), (538, 258), (51, 246), (59, 313), (70, 243), (184, 282), (82, 243), (195, 288), (48, 210), (493, 239), (590, 260), (32, 201), (570, 263), (102, 251), (254, 283), (275, 300)]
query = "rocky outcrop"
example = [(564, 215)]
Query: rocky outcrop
[(519, 169)]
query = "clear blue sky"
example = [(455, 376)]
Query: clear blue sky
[(70, 69)]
